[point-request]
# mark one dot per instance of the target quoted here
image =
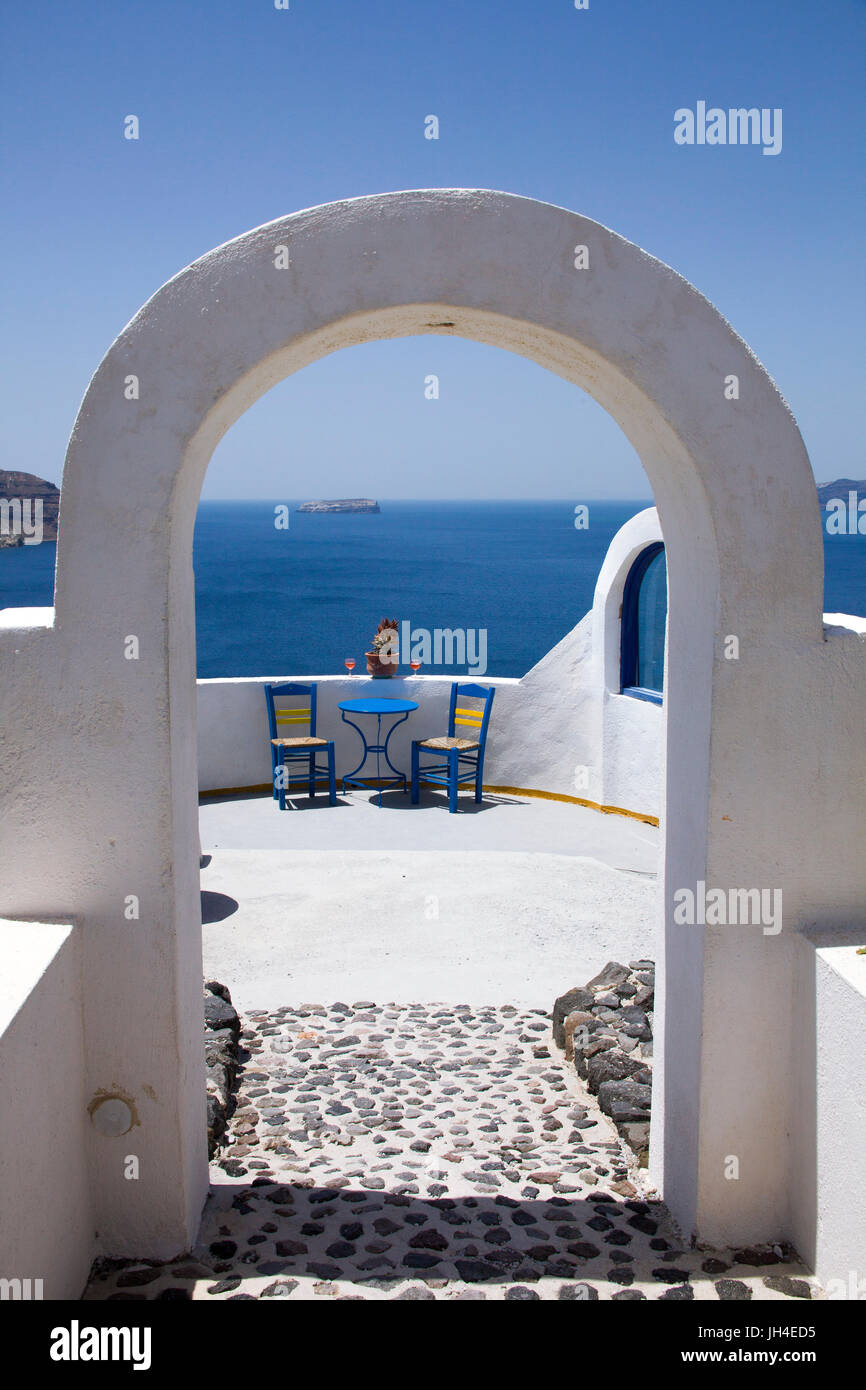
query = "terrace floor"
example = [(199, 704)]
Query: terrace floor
[(415, 1149), (509, 902)]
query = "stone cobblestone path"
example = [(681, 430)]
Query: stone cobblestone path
[(430, 1152)]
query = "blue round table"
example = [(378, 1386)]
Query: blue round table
[(379, 707)]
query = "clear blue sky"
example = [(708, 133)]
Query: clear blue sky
[(248, 113)]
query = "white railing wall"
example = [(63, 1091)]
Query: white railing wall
[(550, 731)]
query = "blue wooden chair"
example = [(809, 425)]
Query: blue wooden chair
[(459, 759), (286, 751)]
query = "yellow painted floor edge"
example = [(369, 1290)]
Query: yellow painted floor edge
[(504, 791), (576, 801)]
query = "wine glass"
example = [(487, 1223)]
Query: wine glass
[(416, 667), (349, 664)]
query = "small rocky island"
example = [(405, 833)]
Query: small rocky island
[(27, 488), (346, 504)]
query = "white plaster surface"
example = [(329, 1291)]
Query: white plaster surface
[(414, 904), (46, 1231), (544, 728), (829, 1141), (846, 622), (19, 618), (314, 928), (504, 823), (233, 747)]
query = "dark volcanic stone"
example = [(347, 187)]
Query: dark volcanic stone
[(223, 1249), (730, 1290), (599, 1223), (625, 1101), (340, 1249), (567, 1004), (618, 1238), (671, 1275), (541, 1252), (385, 1227), (782, 1283), (613, 974), (429, 1240), (224, 1286), (281, 1196), (218, 1013), (581, 1293), (281, 1288), (635, 1023), (324, 1271), (134, 1278), (475, 1271), (611, 1065), (497, 1236), (751, 1256)]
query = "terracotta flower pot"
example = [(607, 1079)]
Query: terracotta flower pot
[(379, 669)]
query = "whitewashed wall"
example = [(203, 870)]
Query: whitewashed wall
[(829, 1142), (46, 1230), (233, 729), (542, 729)]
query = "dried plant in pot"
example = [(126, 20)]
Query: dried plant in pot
[(384, 658)]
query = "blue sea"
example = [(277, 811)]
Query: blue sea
[(304, 599)]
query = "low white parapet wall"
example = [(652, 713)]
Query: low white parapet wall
[(829, 1130), (234, 749), (546, 731), (47, 1243)]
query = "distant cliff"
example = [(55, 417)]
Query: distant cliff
[(25, 490), (842, 486), (350, 504)]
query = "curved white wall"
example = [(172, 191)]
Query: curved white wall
[(633, 731)]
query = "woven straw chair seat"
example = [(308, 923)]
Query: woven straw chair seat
[(463, 745), (300, 742)]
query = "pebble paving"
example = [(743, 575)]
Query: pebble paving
[(419, 1152)]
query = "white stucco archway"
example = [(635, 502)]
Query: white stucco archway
[(737, 504)]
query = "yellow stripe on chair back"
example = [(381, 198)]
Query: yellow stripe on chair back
[(472, 718), (292, 716)]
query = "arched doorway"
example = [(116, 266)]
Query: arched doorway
[(736, 499)]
